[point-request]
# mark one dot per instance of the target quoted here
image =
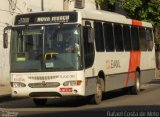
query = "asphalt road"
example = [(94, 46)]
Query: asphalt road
[(115, 103)]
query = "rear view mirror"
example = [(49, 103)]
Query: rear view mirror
[(5, 40), (5, 36)]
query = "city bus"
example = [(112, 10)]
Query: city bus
[(78, 53)]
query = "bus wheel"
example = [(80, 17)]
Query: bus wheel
[(40, 102), (137, 86), (97, 97)]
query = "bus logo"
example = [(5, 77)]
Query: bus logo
[(113, 64), (44, 83)]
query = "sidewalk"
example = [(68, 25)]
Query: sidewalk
[(5, 92)]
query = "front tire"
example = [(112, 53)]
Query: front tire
[(97, 97), (40, 102)]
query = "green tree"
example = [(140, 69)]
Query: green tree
[(148, 10)]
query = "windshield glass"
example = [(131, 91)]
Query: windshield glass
[(46, 48)]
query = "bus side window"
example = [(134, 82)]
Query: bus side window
[(149, 39), (127, 37), (142, 39), (135, 38), (88, 48), (99, 37), (118, 37), (109, 39)]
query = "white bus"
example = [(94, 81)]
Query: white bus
[(78, 53)]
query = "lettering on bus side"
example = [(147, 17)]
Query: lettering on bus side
[(67, 76), (112, 64)]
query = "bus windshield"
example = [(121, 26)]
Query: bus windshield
[(46, 48)]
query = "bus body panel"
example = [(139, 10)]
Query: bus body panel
[(116, 65), (48, 77)]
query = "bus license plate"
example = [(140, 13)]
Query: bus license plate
[(65, 89)]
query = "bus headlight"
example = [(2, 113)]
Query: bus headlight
[(72, 83), (17, 84)]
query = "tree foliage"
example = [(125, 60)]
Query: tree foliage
[(147, 10)]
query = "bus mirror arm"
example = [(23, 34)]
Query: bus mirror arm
[(5, 36)]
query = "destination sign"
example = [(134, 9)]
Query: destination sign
[(46, 17)]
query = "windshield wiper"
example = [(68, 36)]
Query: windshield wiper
[(70, 68), (35, 69)]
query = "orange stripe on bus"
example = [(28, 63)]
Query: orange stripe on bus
[(135, 57)]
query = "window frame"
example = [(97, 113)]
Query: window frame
[(119, 47), (99, 37), (135, 38), (112, 47)]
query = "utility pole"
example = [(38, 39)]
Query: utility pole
[(42, 5)]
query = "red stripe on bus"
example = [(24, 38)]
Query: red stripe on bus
[(137, 23), (135, 57)]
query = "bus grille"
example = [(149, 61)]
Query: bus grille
[(44, 85), (42, 77)]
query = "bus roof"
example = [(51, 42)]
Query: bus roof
[(111, 17), (98, 15)]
